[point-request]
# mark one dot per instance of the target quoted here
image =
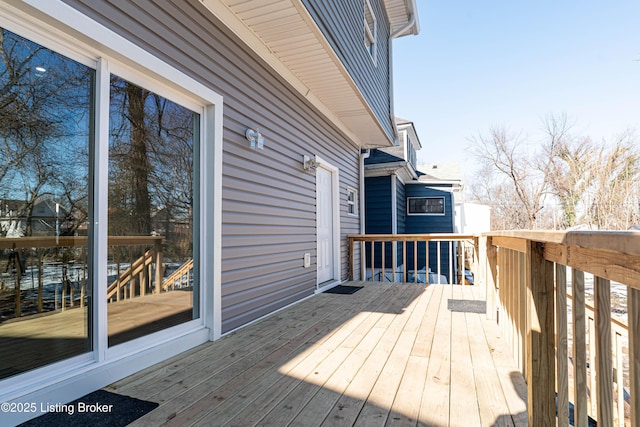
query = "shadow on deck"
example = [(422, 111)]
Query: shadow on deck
[(389, 354)]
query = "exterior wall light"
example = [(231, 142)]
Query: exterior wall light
[(255, 138), (309, 164)]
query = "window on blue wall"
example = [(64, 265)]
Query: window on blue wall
[(425, 205)]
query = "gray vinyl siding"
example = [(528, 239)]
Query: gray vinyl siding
[(269, 217), (342, 23)]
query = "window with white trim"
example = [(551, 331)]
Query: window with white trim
[(425, 206), (370, 30), (352, 196)]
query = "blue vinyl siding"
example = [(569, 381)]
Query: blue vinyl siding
[(420, 224), (401, 206), (342, 23), (378, 205), (378, 218)]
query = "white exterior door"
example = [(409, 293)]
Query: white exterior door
[(325, 225)]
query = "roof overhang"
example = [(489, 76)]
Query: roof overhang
[(453, 184), (401, 169), (284, 34), (401, 13), (411, 130)]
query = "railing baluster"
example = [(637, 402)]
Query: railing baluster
[(439, 259), (415, 261), (619, 380), (404, 261), (463, 275), (561, 345), (452, 280), (580, 409), (491, 279), (513, 284), (373, 261), (593, 388), (604, 370), (541, 348), (426, 262), (363, 261), (383, 278), (633, 317), (521, 275)]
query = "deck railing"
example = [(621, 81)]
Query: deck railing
[(418, 258), (526, 277), (135, 259)]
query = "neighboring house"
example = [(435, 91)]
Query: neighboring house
[(18, 218), (403, 198), (269, 103)]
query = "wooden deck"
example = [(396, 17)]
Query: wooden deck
[(390, 354)]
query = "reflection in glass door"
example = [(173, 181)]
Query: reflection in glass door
[(152, 274), (45, 128)]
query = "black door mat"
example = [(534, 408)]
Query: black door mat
[(100, 408), (343, 290)]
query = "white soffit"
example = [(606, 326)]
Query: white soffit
[(283, 33), (399, 12)]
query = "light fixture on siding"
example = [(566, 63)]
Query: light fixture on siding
[(255, 138), (309, 164)]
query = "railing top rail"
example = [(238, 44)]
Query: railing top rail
[(627, 242), (410, 237), (72, 241)]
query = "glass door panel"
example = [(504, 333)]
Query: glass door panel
[(152, 275), (45, 141)]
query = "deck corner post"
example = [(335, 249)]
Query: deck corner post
[(540, 365)]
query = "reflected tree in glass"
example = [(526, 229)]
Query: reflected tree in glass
[(151, 193)]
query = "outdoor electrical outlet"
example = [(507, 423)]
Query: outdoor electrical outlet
[(307, 260)]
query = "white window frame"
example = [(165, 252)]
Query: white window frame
[(353, 203), (371, 35), (107, 52), (444, 206)]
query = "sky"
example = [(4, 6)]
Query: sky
[(480, 64)]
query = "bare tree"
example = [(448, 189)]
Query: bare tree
[(614, 194), (569, 171), (583, 183), (506, 154)]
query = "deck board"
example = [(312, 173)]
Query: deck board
[(386, 355)]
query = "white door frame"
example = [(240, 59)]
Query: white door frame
[(335, 199)]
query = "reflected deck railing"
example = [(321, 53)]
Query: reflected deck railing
[(525, 277), (135, 257)]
